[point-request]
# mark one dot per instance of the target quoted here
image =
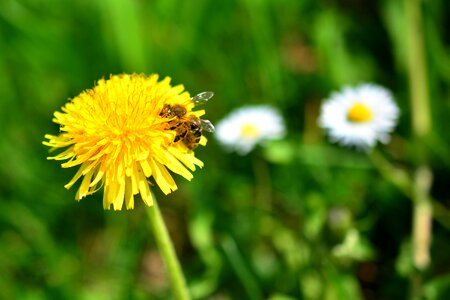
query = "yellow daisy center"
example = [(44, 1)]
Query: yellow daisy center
[(249, 131), (359, 113)]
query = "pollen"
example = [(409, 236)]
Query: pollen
[(359, 113)]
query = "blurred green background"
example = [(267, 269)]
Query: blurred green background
[(298, 219)]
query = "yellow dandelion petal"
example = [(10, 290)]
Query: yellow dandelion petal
[(98, 177), (174, 164), (83, 191), (129, 196), (63, 155), (189, 161), (135, 180), (122, 133), (199, 113), (203, 141), (162, 177), (146, 168), (75, 178), (145, 190)]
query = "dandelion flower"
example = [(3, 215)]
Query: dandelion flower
[(248, 126), (359, 116), (121, 137)]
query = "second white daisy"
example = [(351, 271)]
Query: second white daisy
[(359, 116), (248, 126)]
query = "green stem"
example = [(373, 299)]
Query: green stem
[(238, 263), (421, 124), (266, 49), (263, 187), (422, 217), (126, 33), (404, 182), (165, 245), (398, 177), (418, 83)]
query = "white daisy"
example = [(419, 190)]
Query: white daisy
[(359, 116), (248, 126)]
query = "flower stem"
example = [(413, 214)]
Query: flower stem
[(421, 124), (263, 187), (398, 177), (242, 272), (418, 83), (404, 182), (165, 245), (422, 218)]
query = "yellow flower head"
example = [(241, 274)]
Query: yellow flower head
[(123, 132)]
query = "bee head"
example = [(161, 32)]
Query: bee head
[(178, 110)]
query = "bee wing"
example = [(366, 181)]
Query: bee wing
[(207, 125), (202, 97)]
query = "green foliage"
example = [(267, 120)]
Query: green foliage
[(296, 219)]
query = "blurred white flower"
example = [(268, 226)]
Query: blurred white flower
[(359, 116), (248, 126)]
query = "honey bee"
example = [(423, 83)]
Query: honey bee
[(188, 128)]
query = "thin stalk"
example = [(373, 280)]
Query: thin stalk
[(249, 283), (123, 22), (263, 186), (422, 218), (266, 49), (421, 124), (418, 78), (398, 177), (404, 182), (168, 254)]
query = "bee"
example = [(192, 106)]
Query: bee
[(188, 128)]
